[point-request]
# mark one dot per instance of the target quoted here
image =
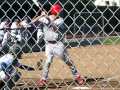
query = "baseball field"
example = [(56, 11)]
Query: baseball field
[(92, 36), (99, 64)]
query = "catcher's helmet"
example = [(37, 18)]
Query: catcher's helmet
[(55, 9)]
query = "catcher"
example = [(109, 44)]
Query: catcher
[(8, 72)]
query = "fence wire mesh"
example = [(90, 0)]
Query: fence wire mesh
[(84, 34)]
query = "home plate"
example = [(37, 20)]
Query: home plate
[(78, 88)]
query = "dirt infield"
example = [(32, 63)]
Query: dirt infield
[(101, 61), (69, 85)]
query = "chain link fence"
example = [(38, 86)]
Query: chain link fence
[(90, 33)]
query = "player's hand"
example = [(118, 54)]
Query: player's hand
[(43, 13)]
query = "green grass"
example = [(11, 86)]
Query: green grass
[(115, 40), (111, 41)]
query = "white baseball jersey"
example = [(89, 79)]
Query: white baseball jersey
[(58, 21), (44, 20), (50, 34), (7, 59), (42, 28)]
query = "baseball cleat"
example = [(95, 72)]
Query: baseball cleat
[(79, 80), (41, 82)]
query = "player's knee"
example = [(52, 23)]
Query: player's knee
[(49, 58), (47, 62)]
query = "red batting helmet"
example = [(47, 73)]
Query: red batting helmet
[(55, 9)]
